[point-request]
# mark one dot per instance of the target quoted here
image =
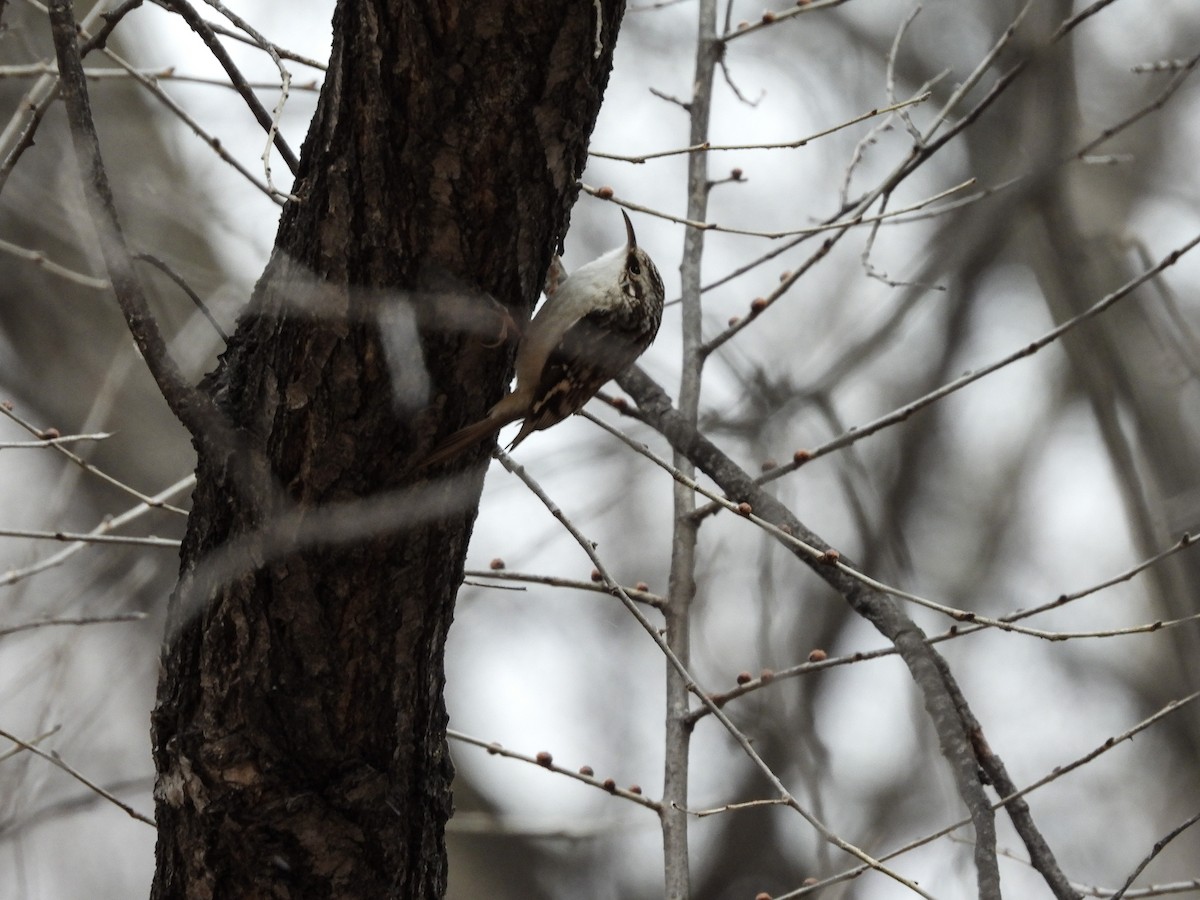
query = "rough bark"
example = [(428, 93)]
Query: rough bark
[(299, 734)]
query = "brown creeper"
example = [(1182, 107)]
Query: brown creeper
[(592, 328)]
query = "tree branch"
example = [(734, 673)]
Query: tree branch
[(205, 32), (685, 534), (939, 691), (191, 406)]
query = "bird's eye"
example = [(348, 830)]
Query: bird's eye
[(633, 265)]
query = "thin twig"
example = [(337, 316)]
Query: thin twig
[(952, 720), (827, 557), (40, 260), (54, 759), (14, 575), (776, 18), (1055, 774), (192, 408), (705, 147), (733, 807), (270, 124), (7, 410), (968, 83), (803, 457), (80, 802), (54, 441), (1073, 22), (890, 71), (915, 159), (285, 78), (641, 596), (743, 742), (17, 751), (89, 538), (163, 73), (819, 661), (1158, 848), (18, 135), (1159, 101), (182, 284), (283, 52), (841, 223), (71, 621), (545, 761), (195, 410), (163, 97)]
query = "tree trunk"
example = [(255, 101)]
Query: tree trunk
[(299, 734)]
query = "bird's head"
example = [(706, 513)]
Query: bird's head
[(640, 279)]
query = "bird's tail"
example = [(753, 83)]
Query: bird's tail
[(468, 437)]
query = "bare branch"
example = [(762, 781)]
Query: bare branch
[(195, 410), (705, 147), (943, 702), (803, 457), (7, 410), (743, 742), (84, 538), (14, 575), (40, 260), (53, 441), (641, 596), (56, 760), (1159, 846), (546, 761), (182, 284), (71, 621), (269, 122), (776, 18), (1057, 773)]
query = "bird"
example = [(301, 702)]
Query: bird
[(591, 328)]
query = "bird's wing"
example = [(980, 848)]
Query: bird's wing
[(594, 349), (540, 338)]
